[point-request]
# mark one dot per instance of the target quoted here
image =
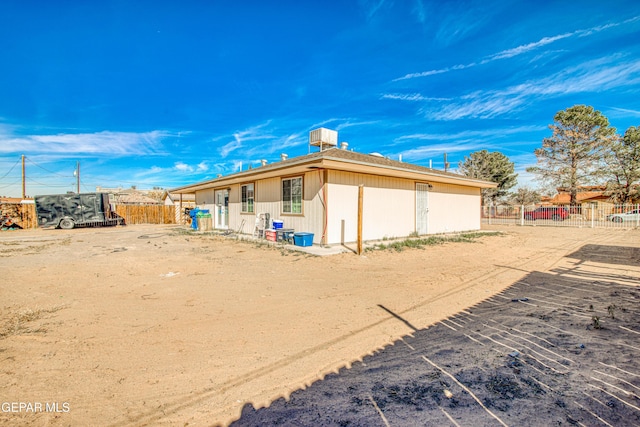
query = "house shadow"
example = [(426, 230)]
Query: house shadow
[(620, 255), (604, 263), (499, 361)]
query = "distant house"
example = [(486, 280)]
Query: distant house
[(319, 193), (590, 199), (586, 194), (132, 196), (180, 202)]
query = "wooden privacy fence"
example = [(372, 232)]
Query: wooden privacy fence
[(25, 214), (147, 214), (22, 214)]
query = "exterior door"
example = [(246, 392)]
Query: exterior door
[(222, 209), (422, 208)]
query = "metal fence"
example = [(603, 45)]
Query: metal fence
[(591, 215)]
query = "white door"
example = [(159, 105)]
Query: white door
[(422, 208), (222, 209)]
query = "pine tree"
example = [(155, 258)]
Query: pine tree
[(573, 156)]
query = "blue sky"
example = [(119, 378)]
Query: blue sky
[(163, 94)]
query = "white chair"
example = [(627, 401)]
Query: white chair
[(258, 230)]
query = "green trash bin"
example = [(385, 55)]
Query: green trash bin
[(205, 221)]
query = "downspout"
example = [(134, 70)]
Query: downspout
[(323, 199)]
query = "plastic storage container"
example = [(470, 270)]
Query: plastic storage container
[(303, 239), (277, 224), (193, 214), (205, 222), (270, 235)]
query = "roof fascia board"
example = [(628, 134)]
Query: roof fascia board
[(328, 162), (398, 172), (251, 175)]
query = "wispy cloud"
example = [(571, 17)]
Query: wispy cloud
[(371, 7), (626, 111), (493, 133), (420, 12), (429, 151), (107, 142), (592, 76), (519, 50), (411, 97), (183, 167), (509, 53), (186, 168), (349, 124), (241, 137), (434, 72)]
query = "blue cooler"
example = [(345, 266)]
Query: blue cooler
[(303, 239), (277, 224)]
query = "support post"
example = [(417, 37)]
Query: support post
[(180, 212), (78, 175), (24, 186), (521, 215), (360, 198)]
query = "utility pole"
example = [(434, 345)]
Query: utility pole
[(24, 186), (360, 200), (78, 174)]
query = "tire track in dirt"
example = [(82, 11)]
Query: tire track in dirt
[(545, 374), (548, 257)]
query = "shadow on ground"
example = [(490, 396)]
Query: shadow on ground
[(552, 349), (622, 255)]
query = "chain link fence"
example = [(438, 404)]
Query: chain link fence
[(591, 215)]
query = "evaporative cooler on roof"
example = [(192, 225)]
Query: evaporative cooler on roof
[(323, 138)]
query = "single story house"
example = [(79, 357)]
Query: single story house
[(590, 200), (319, 193)]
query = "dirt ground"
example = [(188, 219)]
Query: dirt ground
[(155, 325)]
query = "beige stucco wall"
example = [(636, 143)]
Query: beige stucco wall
[(267, 199), (453, 208), (388, 207)]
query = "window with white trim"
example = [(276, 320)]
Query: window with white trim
[(292, 195), (247, 198)]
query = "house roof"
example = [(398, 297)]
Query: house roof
[(339, 159), (10, 200), (565, 198), (187, 197), (135, 198)]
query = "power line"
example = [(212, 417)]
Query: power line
[(14, 165), (32, 181), (45, 169), (9, 185)]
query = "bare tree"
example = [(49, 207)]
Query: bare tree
[(573, 155), (623, 163), (525, 196)]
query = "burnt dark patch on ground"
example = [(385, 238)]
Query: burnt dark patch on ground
[(527, 356)]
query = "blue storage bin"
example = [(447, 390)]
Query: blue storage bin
[(193, 214), (303, 239), (277, 224)]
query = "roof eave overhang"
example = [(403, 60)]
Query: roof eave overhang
[(399, 172), (306, 165)]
